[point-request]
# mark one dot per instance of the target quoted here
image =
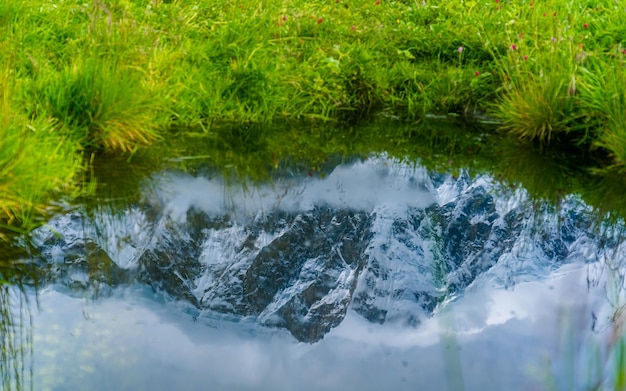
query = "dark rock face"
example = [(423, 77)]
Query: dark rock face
[(303, 270), (172, 264), (285, 282), (305, 265)]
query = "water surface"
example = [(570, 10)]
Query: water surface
[(367, 274)]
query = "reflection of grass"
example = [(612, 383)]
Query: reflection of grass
[(545, 173), (15, 328), (592, 360), (605, 191), (258, 152)]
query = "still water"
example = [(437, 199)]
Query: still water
[(372, 273)]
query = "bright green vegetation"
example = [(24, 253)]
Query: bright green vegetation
[(82, 79), (36, 162)]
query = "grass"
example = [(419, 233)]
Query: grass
[(539, 101), (35, 163), (260, 62), (102, 105), (98, 77), (606, 99)]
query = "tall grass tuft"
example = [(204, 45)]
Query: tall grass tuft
[(103, 105), (539, 94), (604, 98), (35, 162)]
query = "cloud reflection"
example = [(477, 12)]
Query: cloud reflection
[(131, 342)]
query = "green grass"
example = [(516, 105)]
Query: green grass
[(605, 98), (539, 99), (35, 163), (99, 77), (102, 105), (247, 61)]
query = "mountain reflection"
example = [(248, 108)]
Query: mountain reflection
[(376, 275)]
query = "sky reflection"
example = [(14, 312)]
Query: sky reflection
[(513, 339)]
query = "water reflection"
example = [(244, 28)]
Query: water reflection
[(506, 339), (374, 274), (16, 348)]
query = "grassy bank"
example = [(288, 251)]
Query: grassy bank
[(84, 77)]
